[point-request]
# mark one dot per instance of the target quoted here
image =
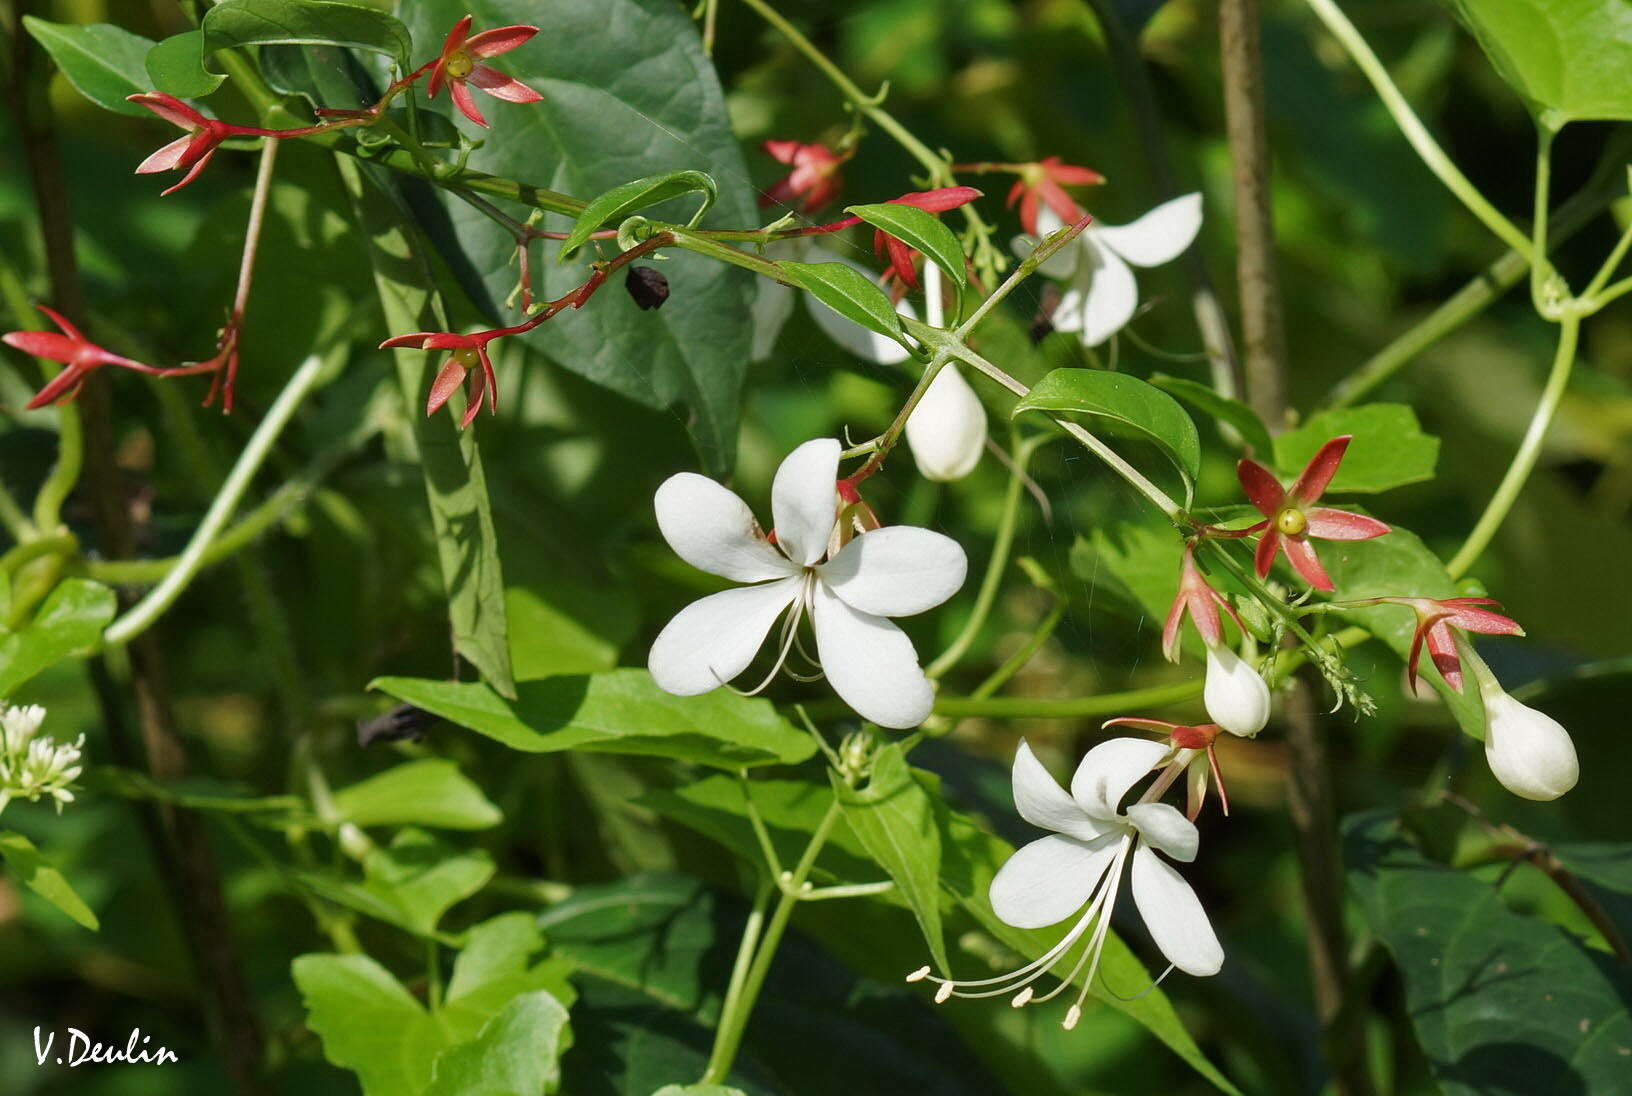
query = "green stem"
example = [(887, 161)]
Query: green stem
[(64, 473), (12, 517), (1080, 707), (1415, 132), (1021, 452), (1545, 282), (1524, 461), (188, 564), (1606, 271), (65, 544), (734, 1017), (751, 930), (1013, 664)]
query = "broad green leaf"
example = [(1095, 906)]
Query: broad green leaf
[(237, 23), (971, 857), (420, 878), (516, 1054), (921, 230), (570, 629), (1131, 406), (1389, 448), (1567, 59), (70, 621), (622, 711), (368, 1023), (105, 63), (1398, 563), (28, 866), (455, 484), (698, 1090), (619, 202), (895, 820), (848, 292), (1500, 1002), (608, 71), (1225, 410), (717, 808), (427, 792), (498, 962), (1605, 870), (176, 66)]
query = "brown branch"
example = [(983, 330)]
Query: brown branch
[(1310, 802), (179, 842)]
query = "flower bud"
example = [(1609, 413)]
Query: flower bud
[(1529, 752), (647, 286), (947, 430), (1235, 695)]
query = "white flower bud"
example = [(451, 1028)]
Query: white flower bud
[(1528, 751), (1236, 697), (947, 430)]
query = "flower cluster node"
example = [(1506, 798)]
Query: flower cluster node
[(33, 766)]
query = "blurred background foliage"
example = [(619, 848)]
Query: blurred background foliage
[(271, 652)]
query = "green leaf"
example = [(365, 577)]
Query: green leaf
[(30, 868), (1225, 410), (237, 23), (1605, 870), (517, 1053), (622, 711), (105, 63), (496, 964), (848, 292), (368, 1023), (619, 202), (1568, 59), (609, 70), (176, 66), (1389, 448), (921, 230), (572, 628), (1398, 564), (698, 1090), (895, 820), (427, 792), (420, 878), (455, 484), (70, 621), (1500, 1002), (1132, 407)]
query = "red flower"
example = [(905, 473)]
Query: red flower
[(1435, 619), (73, 350), (468, 352), (901, 261), (1045, 181), (1292, 517), (1202, 602), (458, 66), (192, 151), (1199, 737), (815, 175)]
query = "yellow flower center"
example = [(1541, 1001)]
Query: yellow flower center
[(459, 65), (1291, 521)]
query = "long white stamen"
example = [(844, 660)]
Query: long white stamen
[(790, 631), (1096, 944)]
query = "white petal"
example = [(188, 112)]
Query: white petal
[(1102, 298), (861, 342), (1235, 694), (805, 500), (1108, 770), (896, 571), (1159, 236), (1042, 802), (713, 530), (1530, 752), (1164, 827), (947, 430), (711, 641), (1050, 879), (869, 662), (1174, 916)]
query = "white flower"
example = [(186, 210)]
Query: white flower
[(1103, 296), (1528, 751), (33, 766), (890, 572), (947, 430), (1235, 694), (1082, 863)]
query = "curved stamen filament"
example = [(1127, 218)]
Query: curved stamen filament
[(785, 639), (1096, 945)]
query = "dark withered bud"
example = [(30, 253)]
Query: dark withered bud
[(648, 287), (403, 721)]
